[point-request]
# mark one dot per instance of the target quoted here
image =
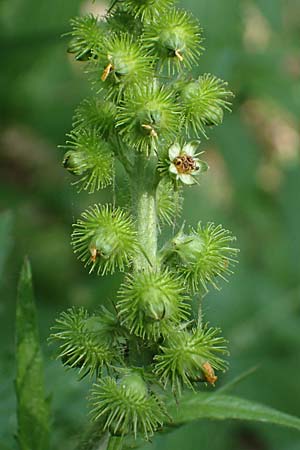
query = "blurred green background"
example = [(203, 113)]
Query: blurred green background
[(252, 188)]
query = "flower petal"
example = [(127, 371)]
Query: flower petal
[(172, 169), (203, 166), (186, 178), (190, 148), (174, 151)]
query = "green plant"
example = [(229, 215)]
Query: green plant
[(147, 113)]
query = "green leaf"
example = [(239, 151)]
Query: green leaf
[(238, 379), (220, 407), (32, 405), (6, 222)]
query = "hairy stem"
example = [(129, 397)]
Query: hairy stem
[(144, 210), (115, 443)]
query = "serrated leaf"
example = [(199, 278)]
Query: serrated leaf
[(6, 222), (32, 405), (221, 407)]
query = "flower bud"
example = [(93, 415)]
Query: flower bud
[(134, 384), (214, 116), (97, 114), (90, 158), (188, 247), (79, 345), (174, 37), (103, 244), (74, 162), (148, 10), (148, 114), (104, 239), (87, 37), (126, 406), (204, 101), (150, 302), (122, 62), (189, 357), (203, 255), (106, 326)]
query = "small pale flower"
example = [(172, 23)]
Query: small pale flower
[(184, 162)]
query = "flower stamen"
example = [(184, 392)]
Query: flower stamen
[(106, 71), (185, 164), (209, 373), (94, 254), (178, 55), (151, 130)]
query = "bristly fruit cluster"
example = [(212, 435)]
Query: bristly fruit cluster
[(147, 113)]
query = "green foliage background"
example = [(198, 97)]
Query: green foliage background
[(252, 188)]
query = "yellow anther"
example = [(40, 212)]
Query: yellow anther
[(106, 71), (178, 55), (151, 130), (209, 373), (93, 252)]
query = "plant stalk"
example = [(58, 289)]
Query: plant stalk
[(115, 443), (144, 211)]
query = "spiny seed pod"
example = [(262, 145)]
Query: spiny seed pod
[(148, 114), (90, 158), (105, 239), (126, 406), (150, 302), (95, 113), (148, 9), (203, 255), (106, 326), (121, 20), (122, 62), (80, 345), (174, 38), (189, 357), (87, 36), (204, 101)]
